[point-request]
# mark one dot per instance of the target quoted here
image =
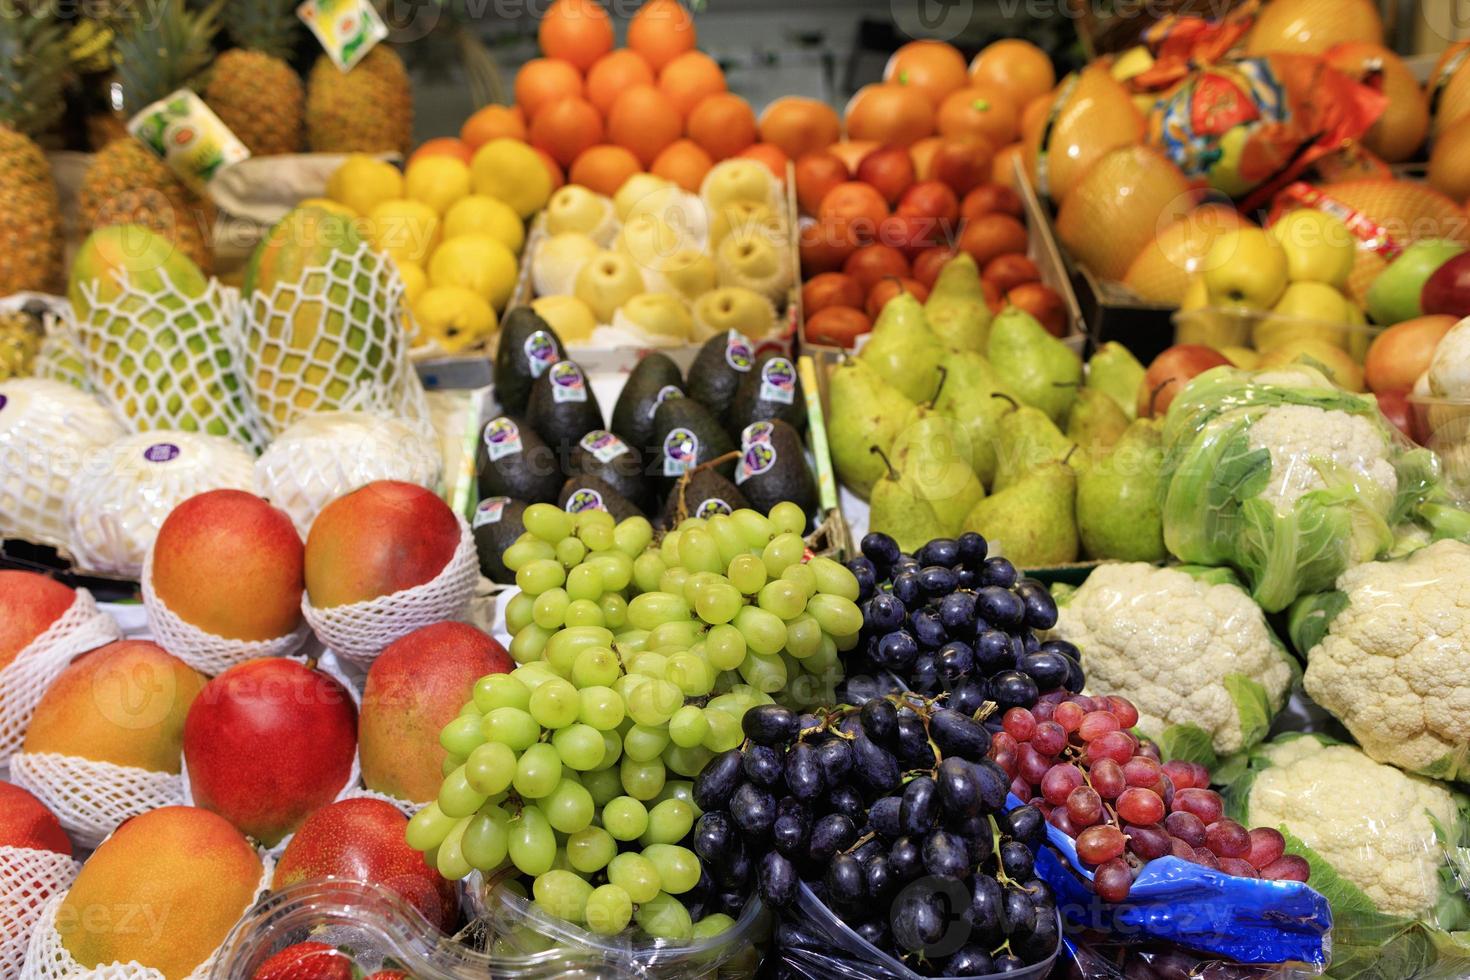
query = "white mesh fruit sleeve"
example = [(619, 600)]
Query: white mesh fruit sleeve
[(359, 631), (91, 798), (168, 360), (25, 679), (29, 878), (47, 431), (332, 339)]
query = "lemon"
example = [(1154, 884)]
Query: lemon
[(510, 171), (406, 230), (478, 214), (363, 182), (571, 318), (477, 262), (453, 317), (415, 280), (438, 181)]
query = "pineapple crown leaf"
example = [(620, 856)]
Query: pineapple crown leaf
[(166, 53), (268, 26), (33, 63)]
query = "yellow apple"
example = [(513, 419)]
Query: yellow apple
[(568, 316), (1197, 322), (659, 314), (607, 282), (1242, 357), (557, 262), (1305, 310), (1319, 247), (575, 208), (1245, 267)]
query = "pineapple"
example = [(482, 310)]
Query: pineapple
[(252, 88), (32, 61), (126, 183), (366, 110), (20, 339)]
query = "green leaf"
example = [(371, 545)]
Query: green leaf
[(1062, 592), (1211, 575), (1311, 617), (1188, 743), (1252, 706)]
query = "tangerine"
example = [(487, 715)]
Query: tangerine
[(816, 174), (979, 110), (772, 156), (1015, 66), (643, 120), (885, 112), (1003, 165), (447, 146), (566, 128), (661, 31), (799, 126), (684, 162), (690, 77), (933, 67), (577, 31), (542, 81), (923, 154), (723, 124), (603, 168), (490, 123), (615, 72), (851, 152), (858, 203)]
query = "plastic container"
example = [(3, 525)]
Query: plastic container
[(1443, 425), (1094, 957), (1220, 327)]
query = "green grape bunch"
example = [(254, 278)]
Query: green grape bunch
[(637, 659)]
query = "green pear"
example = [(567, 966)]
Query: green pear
[(969, 383), (1028, 439), (1114, 370), (956, 309), (900, 513), (1118, 511), (932, 456), (1041, 370), (865, 412), (903, 350), (1094, 423), (1032, 520)]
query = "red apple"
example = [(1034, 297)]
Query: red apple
[(1170, 372), (994, 298), (913, 233), (415, 687), (992, 199), (362, 840), (1010, 270), (816, 174), (886, 289), (1447, 290), (890, 169), (267, 742), (991, 235), (26, 823), (871, 264), (928, 264), (839, 326), (1401, 353), (826, 244), (963, 164), (1394, 404), (29, 604), (1043, 303), (933, 199), (830, 289)]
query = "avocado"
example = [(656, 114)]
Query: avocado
[(773, 468), (516, 462), (716, 372), (563, 408), (772, 390), (528, 346), (705, 494), (497, 524), (685, 435), (590, 493), (601, 454), (655, 379)]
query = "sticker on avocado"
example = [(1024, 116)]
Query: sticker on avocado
[(489, 511), (757, 458), (603, 445), (584, 499), (713, 507), (567, 383), (540, 352), (778, 381), (681, 452), (502, 438), (664, 394), (347, 29), (738, 352), (756, 432), (162, 452)]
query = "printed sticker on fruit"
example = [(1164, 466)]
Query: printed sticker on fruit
[(348, 29), (186, 134)]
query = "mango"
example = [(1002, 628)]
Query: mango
[(29, 604)]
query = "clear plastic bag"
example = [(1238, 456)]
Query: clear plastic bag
[(1095, 957)]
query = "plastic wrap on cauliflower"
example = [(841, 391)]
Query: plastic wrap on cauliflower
[(1388, 653), (1285, 478), (1188, 647), (1385, 849), (322, 456)]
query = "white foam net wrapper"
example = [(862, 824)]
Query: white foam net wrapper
[(206, 652), (359, 631), (25, 679), (120, 499), (91, 798), (29, 878), (332, 339), (47, 431), (321, 457), (167, 360), (48, 959)]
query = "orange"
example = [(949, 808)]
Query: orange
[(979, 110), (614, 72), (661, 31), (491, 123), (645, 121), (923, 154), (684, 162), (723, 124), (1033, 116), (689, 78), (772, 156), (603, 168), (933, 67), (889, 113), (447, 146), (800, 126), (851, 152), (542, 81), (566, 128), (1003, 165), (552, 167), (1017, 66), (577, 31)]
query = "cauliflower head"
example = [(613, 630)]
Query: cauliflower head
[(1371, 822), (1185, 650), (1393, 663), (1309, 444)]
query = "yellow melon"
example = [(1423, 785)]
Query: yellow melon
[(1162, 271), (1096, 115), (1118, 207), (1449, 162), (1313, 26), (1409, 210), (1449, 87), (1405, 120)]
